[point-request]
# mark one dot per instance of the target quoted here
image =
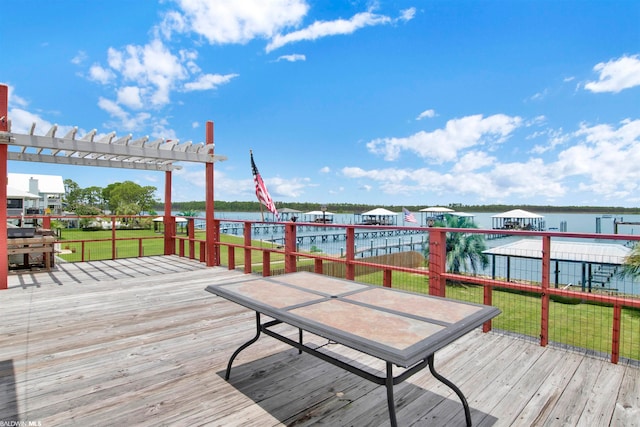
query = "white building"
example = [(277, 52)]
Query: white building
[(34, 194)]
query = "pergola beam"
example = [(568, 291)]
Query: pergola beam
[(85, 161)]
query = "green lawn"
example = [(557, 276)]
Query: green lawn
[(152, 244)]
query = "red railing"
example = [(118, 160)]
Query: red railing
[(610, 302), (560, 314)]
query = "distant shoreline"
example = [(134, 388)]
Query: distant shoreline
[(350, 208)]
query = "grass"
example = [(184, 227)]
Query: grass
[(152, 244)]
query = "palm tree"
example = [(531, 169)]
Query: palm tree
[(631, 266), (465, 251)]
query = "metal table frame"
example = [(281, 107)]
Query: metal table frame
[(414, 361)]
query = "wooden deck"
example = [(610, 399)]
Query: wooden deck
[(139, 342)]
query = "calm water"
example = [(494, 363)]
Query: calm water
[(576, 223)]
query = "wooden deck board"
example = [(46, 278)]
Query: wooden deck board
[(139, 341)]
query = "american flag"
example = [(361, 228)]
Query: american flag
[(408, 216), (261, 190)]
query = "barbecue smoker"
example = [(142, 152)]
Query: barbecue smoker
[(30, 248)]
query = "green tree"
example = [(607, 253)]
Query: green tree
[(464, 250), (72, 195), (92, 196), (188, 213), (126, 195), (631, 266)]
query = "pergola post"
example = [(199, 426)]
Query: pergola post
[(4, 127), (169, 243), (211, 231)]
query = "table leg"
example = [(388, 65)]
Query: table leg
[(300, 340), (452, 386), (392, 406), (243, 346)]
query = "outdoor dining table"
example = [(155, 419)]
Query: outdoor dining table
[(401, 328)]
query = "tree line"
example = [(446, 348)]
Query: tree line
[(120, 198)]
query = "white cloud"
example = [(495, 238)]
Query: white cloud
[(539, 95), (601, 161), (606, 159), (426, 114), (325, 169), (127, 122), (209, 81), (232, 21), (616, 75), (321, 29), (80, 57), (444, 145), (292, 58), (100, 74), (15, 99), (472, 161), (152, 67), (130, 96)]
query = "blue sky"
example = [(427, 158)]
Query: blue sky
[(389, 102)]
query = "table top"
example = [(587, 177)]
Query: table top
[(396, 326)]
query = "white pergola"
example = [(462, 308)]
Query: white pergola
[(104, 151)]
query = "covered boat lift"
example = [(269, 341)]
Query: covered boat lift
[(433, 214), (600, 261), (518, 219), (378, 216)]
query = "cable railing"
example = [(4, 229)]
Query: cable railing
[(557, 288)]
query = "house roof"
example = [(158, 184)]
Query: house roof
[(47, 184), (517, 213), (15, 193), (436, 209), (597, 253), (319, 213), (379, 212)]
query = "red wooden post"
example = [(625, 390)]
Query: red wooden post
[(216, 242), (4, 127), (266, 263), (231, 252), (437, 261), (488, 300), (545, 297), (350, 252), (386, 278), (114, 251), (615, 339), (289, 248), (169, 245), (140, 250), (212, 235), (191, 232), (203, 251), (46, 222), (317, 265), (247, 247)]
